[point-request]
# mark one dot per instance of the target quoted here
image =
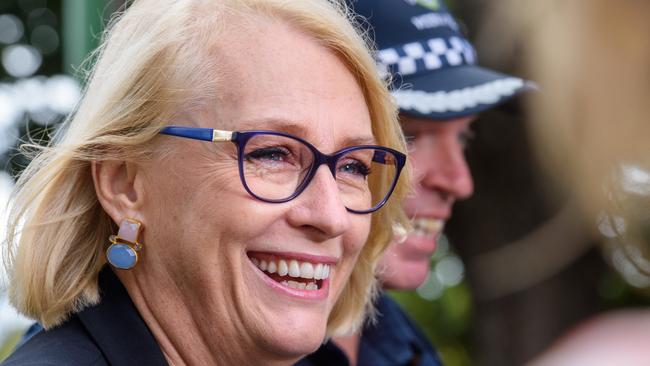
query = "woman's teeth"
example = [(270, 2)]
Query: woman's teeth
[(295, 269), (300, 285), (427, 227)]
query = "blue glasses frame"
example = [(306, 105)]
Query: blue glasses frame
[(240, 138)]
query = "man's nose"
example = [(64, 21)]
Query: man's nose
[(444, 168)]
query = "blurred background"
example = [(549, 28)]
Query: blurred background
[(554, 234), (42, 45)]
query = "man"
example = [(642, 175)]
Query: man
[(440, 91)]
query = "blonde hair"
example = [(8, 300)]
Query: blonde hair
[(152, 60)]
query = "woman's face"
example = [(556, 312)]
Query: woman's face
[(207, 235)]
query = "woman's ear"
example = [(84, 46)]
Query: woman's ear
[(119, 188)]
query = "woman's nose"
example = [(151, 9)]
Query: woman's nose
[(320, 206)]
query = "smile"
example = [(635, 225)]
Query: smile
[(427, 227), (292, 273)]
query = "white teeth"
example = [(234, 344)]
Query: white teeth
[(272, 267), (427, 227), (311, 286), (283, 269), (318, 271), (298, 285), (306, 270), (294, 268)]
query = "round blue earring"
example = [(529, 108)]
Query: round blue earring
[(124, 248)]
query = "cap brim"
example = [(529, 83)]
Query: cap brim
[(456, 92)]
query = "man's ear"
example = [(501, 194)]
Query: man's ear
[(119, 188)]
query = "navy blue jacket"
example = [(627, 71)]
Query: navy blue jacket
[(111, 333), (394, 340)]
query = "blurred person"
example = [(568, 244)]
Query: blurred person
[(204, 205), (440, 91), (591, 125)]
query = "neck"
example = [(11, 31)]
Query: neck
[(182, 334), (349, 344)]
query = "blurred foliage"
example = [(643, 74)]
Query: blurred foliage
[(34, 17), (7, 347), (34, 14)]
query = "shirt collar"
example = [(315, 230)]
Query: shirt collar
[(391, 337)]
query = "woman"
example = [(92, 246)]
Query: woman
[(249, 249)]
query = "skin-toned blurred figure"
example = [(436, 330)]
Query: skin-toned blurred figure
[(594, 108), (440, 91)]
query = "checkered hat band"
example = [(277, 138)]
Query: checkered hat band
[(426, 55)]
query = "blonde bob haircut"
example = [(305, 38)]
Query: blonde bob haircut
[(153, 61)]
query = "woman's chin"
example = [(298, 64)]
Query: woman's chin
[(295, 339)]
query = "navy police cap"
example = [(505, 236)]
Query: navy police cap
[(433, 66)]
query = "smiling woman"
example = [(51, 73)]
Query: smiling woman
[(249, 240)]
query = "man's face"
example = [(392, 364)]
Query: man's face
[(441, 176)]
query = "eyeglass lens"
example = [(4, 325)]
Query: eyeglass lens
[(275, 167)]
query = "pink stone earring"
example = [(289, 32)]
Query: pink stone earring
[(123, 252)]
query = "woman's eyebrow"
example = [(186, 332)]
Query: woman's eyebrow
[(360, 140), (298, 129), (275, 124)]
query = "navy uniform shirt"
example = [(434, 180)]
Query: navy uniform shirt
[(393, 340)]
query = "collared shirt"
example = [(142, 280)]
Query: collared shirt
[(394, 340), (110, 333)]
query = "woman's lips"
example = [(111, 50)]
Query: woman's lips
[(302, 278)]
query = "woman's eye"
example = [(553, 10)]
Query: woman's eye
[(268, 154), (355, 168)]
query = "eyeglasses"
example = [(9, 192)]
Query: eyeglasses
[(276, 167)]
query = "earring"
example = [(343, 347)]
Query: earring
[(123, 252)]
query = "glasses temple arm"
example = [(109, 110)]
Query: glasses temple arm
[(197, 133)]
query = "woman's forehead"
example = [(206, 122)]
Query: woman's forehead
[(284, 80)]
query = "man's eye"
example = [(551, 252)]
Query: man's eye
[(410, 142), (466, 137)]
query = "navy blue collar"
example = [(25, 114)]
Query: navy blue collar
[(392, 340), (117, 328)]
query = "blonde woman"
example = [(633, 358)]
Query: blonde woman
[(220, 197)]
